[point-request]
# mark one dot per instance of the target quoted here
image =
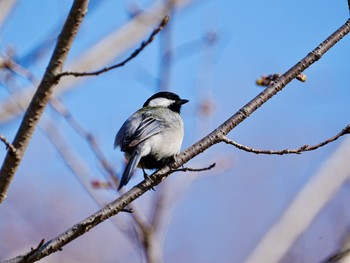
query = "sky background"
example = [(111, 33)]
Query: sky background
[(225, 212)]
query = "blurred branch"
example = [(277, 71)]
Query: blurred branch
[(8, 144), (301, 149), (60, 108), (6, 7), (214, 137), (112, 46), (9, 64), (160, 27), (305, 207), (42, 95), (75, 164), (166, 54)]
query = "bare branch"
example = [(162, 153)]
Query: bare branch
[(188, 169), (144, 44), (304, 148), (42, 95), (267, 80), (7, 143), (214, 137)]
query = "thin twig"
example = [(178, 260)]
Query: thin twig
[(14, 67), (299, 150), (188, 169), (162, 24), (7, 143)]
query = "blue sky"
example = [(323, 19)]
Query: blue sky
[(223, 215)]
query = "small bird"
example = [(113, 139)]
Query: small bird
[(152, 136)]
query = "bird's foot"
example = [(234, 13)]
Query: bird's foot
[(145, 176)]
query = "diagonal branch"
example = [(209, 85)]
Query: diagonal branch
[(60, 108), (42, 95), (162, 24), (304, 148), (214, 137)]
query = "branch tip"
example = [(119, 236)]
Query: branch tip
[(165, 21), (346, 130), (136, 52), (188, 169)]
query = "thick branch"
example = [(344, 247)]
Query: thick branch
[(162, 24), (119, 204), (304, 148), (42, 95)]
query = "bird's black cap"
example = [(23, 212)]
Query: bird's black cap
[(167, 95)]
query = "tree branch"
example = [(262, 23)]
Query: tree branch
[(299, 150), (214, 137), (162, 24), (188, 169), (266, 80), (42, 95), (8, 144)]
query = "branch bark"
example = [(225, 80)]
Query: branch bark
[(42, 95), (213, 138)]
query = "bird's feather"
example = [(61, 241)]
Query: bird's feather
[(130, 168)]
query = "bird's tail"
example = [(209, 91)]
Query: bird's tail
[(130, 168)]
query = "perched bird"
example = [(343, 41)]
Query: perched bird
[(152, 136)]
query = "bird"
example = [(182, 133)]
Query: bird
[(152, 136)]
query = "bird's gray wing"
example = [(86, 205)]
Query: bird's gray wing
[(147, 128), (136, 129)]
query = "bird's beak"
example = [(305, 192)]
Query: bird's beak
[(182, 101)]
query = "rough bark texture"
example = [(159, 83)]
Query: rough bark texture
[(42, 95)]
